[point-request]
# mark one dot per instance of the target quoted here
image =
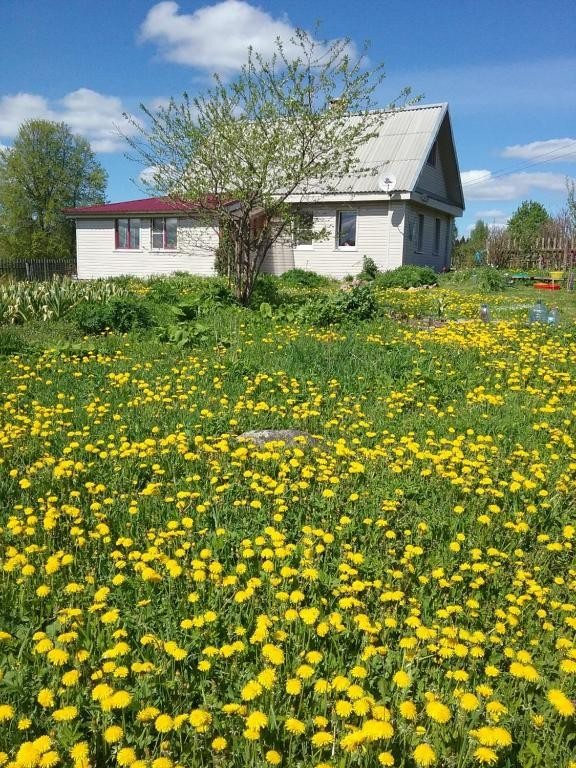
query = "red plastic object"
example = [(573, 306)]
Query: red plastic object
[(547, 286)]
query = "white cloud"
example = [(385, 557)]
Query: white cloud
[(482, 185), (14, 110), (214, 37), (97, 117), (549, 151), (494, 217)]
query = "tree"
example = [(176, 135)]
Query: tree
[(526, 223), (247, 152), (47, 169), (466, 249)]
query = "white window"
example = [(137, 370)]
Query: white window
[(346, 229), (164, 234), (420, 233), (303, 228)]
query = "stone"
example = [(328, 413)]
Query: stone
[(291, 437)]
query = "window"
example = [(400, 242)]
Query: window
[(346, 229), (420, 232), (128, 233), (433, 155), (303, 228), (437, 231), (164, 233)]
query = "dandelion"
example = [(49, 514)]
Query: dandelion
[(65, 714), (126, 757), (486, 756), (273, 757), (424, 755), (219, 744), (113, 734), (438, 711), (402, 679), (294, 726), (560, 702), (386, 759)]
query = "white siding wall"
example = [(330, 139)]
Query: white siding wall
[(280, 258), (98, 257), (428, 255), (379, 235)]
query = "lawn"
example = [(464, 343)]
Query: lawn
[(398, 591)]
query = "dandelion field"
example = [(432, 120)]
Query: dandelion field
[(399, 591)]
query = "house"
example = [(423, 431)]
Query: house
[(402, 213)]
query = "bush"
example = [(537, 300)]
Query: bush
[(354, 305), (490, 280), (120, 315), (369, 269), (302, 278), (265, 291), (407, 276)]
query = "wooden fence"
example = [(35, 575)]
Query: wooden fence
[(37, 269), (543, 254)]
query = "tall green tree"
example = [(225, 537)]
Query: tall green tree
[(526, 223), (281, 130), (48, 168)]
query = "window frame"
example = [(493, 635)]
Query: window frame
[(437, 235), (420, 234), (339, 214), (164, 246), (432, 159), (134, 225), (307, 245)]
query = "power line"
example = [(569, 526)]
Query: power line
[(565, 151)]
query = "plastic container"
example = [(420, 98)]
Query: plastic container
[(485, 313), (553, 316), (538, 313)]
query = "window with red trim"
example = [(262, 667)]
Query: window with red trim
[(127, 233)]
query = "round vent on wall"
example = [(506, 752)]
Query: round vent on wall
[(387, 182)]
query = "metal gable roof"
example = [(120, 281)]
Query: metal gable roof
[(401, 148)]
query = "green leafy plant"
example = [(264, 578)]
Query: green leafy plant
[(302, 278), (369, 269), (407, 276), (119, 314)]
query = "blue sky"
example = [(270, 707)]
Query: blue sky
[(507, 69)]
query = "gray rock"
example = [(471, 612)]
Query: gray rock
[(288, 436)]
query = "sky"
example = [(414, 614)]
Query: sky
[(507, 69)]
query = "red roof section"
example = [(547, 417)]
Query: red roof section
[(148, 205)]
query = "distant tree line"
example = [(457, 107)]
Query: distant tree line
[(526, 227), (46, 169)]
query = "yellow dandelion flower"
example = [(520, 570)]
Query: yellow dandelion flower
[(294, 726), (126, 757), (402, 679), (424, 755), (219, 744), (561, 702), (273, 757), (293, 686), (321, 739), (386, 759), (486, 756), (438, 711), (163, 723), (65, 714), (112, 734)]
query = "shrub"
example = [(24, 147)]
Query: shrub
[(407, 276), (369, 269), (120, 314), (265, 291), (11, 341), (490, 280), (302, 278), (354, 305)]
